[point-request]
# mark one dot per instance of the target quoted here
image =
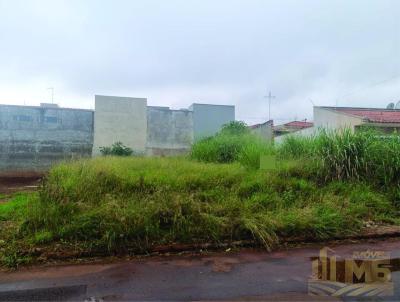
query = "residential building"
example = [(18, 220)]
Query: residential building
[(387, 120), (35, 137), (264, 130)]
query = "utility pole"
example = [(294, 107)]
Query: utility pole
[(52, 94), (270, 97)]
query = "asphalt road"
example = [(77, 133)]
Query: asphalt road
[(250, 275)]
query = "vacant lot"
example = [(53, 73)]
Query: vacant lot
[(114, 205), (19, 181)]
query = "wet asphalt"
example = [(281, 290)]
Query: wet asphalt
[(245, 275)]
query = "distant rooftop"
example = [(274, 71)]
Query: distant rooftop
[(372, 115), (270, 122), (50, 105), (44, 106), (299, 124), (291, 127)]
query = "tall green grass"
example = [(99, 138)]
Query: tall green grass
[(234, 143), (332, 182), (112, 205), (245, 149), (363, 155)]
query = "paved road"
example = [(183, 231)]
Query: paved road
[(246, 275)]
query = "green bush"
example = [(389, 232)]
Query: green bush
[(117, 149), (234, 143), (235, 128)]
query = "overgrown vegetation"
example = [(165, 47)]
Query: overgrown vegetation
[(344, 155), (117, 149), (234, 143), (334, 183)]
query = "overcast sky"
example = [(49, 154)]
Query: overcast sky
[(175, 53)]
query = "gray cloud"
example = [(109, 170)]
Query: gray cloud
[(177, 52)]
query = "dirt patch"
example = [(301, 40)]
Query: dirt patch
[(11, 182)]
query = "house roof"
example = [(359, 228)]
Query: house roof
[(270, 122), (372, 115), (291, 127), (299, 124)]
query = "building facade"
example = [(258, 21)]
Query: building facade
[(388, 120), (208, 118), (353, 118), (263, 130), (32, 138)]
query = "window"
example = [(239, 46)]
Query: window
[(23, 118), (51, 119)]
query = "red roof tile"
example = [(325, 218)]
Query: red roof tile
[(299, 124), (374, 115), (270, 122)]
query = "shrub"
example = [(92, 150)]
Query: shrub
[(117, 149), (234, 143), (235, 128)]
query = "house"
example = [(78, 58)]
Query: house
[(335, 118), (264, 130), (302, 128), (387, 120), (291, 127)]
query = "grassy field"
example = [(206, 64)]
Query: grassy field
[(114, 205)]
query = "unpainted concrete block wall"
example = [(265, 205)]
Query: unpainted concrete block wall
[(33, 138), (208, 119), (264, 131), (169, 132), (120, 119)]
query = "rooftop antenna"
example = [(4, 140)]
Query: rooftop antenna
[(270, 97), (52, 94)]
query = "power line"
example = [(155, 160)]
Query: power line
[(366, 87)]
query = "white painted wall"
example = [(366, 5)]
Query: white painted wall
[(331, 119), (303, 132), (121, 119), (325, 118)]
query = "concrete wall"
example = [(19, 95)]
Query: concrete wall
[(169, 132), (325, 118), (330, 119), (306, 132), (208, 119), (120, 119), (33, 138), (264, 131)]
